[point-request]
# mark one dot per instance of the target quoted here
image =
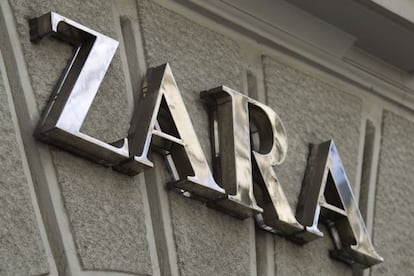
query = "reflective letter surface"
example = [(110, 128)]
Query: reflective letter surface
[(272, 149), (161, 121), (233, 116), (229, 116), (69, 104), (327, 196)]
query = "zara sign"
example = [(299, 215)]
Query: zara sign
[(248, 140)]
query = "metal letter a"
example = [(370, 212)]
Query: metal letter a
[(327, 196)]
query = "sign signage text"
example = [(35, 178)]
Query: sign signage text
[(248, 140)]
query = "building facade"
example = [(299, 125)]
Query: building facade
[(339, 70)]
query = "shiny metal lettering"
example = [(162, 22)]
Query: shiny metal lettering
[(228, 111), (161, 121), (272, 152), (327, 196), (69, 104), (233, 112), (248, 140)]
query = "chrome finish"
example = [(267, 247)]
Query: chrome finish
[(231, 111), (70, 101), (272, 150), (160, 122), (248, 140), (229, 115), (327, 196)]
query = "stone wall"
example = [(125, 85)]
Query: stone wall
[(63, 215)]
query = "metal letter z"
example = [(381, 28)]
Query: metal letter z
[(69, 104)]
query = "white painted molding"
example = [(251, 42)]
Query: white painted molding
[(402, 8)]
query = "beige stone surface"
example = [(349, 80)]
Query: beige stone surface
[(393, 223), (21, 248), (312, 111), (200, 59), (208, 242), (105, 208)]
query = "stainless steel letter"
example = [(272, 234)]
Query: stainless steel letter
[(327, 196), (278, 216), (161, 121), (69, 104), (248, 140), (233, 150), (228, 111)]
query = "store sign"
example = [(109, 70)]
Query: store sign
[(248, 140)]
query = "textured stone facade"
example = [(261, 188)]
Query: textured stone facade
[(393, 223), (21, 249), (63, 215)]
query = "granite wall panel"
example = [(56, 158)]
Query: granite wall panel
[(208, 242), (105, 208), (21, 248), (313, 111), (393, 221)]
